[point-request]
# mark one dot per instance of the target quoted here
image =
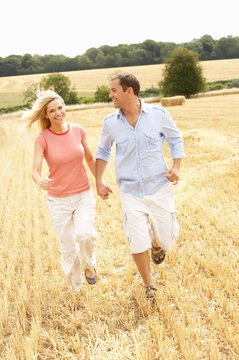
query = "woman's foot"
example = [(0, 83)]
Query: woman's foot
[(91, 276)]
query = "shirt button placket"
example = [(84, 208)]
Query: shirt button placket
[(138, 161)]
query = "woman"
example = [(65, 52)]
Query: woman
[(70, 200)]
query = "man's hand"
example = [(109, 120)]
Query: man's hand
[(103, 190), (173, 174)]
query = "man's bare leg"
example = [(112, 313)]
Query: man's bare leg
[(142, 261)]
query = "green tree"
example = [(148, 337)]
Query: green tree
[(203, 46), (100, 60), (61, 84), (102, 94), (92, 55), (83, 62), (123, 51), (227, 48), (182, 74), (30, 64), (139, 57), (54, 63), (11, 65), (1, 60), (165, 50), (207, 47), (153, 50)]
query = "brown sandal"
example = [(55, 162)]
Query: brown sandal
[(93, 280), (150, 292), (159, 256)]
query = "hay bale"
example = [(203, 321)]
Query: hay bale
[(172, 101)]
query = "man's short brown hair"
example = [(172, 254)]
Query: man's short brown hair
[(127, 80)]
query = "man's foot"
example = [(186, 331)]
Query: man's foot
[(157, 254), (150, 292), (91, 276)]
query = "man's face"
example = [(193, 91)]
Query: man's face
[(117, 94)]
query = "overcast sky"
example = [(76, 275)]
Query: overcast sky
[(71, 27)]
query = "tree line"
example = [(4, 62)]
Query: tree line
[(145, 53)]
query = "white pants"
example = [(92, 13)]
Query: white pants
[(73, 221), (158, 209)]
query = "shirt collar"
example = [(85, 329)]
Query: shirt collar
[(143, 106), (143, 109)]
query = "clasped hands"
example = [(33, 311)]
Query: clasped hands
[(103, 190)]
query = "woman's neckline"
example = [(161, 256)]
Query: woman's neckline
[(65, 132)]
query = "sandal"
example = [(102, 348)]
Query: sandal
[(157, 257), (93, 280), (150, 292)]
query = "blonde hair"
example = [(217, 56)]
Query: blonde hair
[(39, 107)]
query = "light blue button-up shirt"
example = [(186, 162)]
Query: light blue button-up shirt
[(139, 162)]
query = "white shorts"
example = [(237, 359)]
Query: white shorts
[(150, 214)]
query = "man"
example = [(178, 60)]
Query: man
[(139, 131)]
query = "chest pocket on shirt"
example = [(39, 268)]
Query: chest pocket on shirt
[(122, 144), (152, 140)]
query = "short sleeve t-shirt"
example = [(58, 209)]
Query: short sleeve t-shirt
[(64, 155)]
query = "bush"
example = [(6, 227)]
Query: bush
[(150, 92), (30, 94), (102, 94), (71, 98), (234, 83), (57, 82), (222, 84), (61, 84), (86, 100), (182, 74), (10, 109), (216, 86)]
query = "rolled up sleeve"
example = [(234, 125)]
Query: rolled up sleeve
[(104, 147), (173, 137)]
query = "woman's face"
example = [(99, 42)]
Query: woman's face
[(55, 112)]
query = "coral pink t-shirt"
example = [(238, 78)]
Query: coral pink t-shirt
[(64, 155)]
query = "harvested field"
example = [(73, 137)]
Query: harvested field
[(196, 314), (86, 81)]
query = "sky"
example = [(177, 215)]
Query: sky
[(71, 27)]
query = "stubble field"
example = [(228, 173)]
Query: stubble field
[(196, 313)]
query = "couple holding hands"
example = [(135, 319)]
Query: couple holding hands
[(145, 183)]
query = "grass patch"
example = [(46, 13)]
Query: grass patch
[(223, 84)]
